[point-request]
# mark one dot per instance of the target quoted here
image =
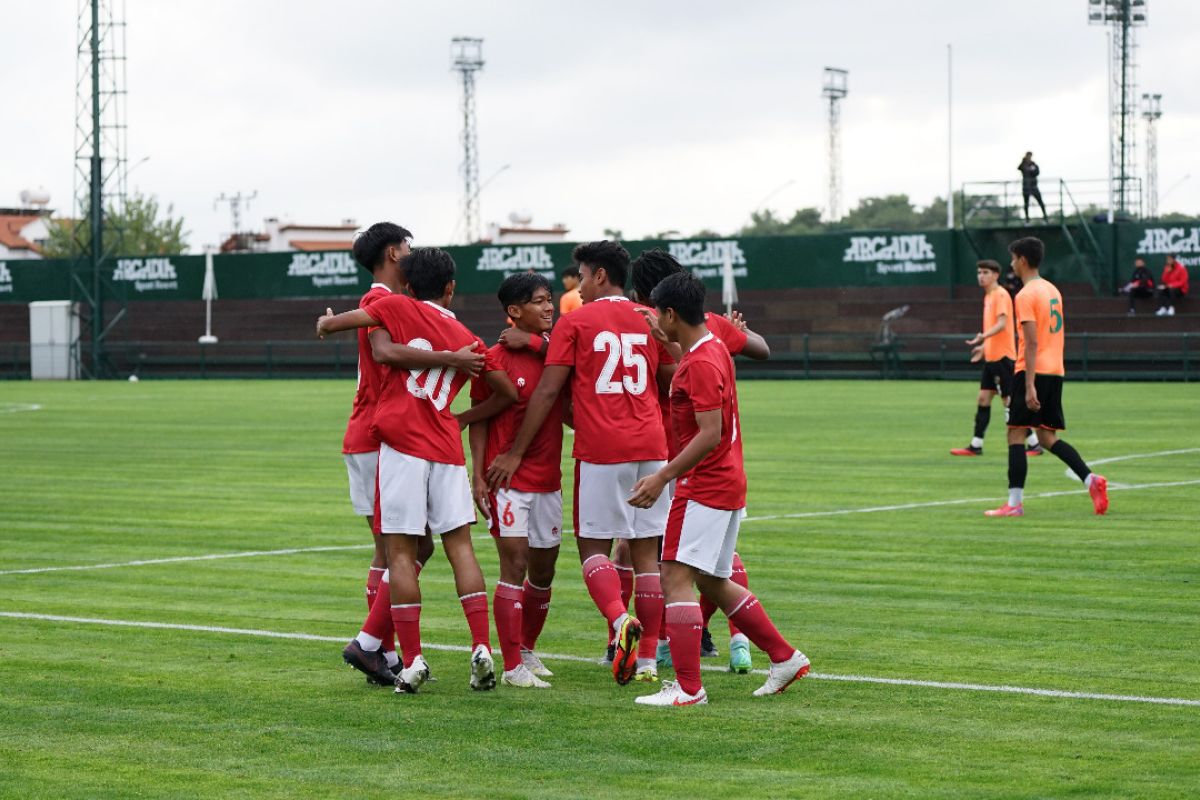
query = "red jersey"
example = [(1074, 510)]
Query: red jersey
[(704, 381), (358, 437), (613, 386), (723, 329), (413, 412), (541, 467)]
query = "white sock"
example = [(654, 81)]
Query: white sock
[(1088, 480), (645, 663), (1031, 440), (616, 626), (663, 643), (392, 658), (1016, 497), (739, 638), (368, 641), (977, 442)]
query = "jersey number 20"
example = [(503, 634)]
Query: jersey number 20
[(437, 383), (620, 350)]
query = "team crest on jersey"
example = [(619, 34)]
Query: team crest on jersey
[(520, 383)]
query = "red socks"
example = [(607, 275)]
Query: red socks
[(535, 605), (684, 624), (626, 575), (373, 577), (507, 604), (739, 577), (475, 607), (407, 621), (379, 618), (753, 621), (600, 577), (648, 607)]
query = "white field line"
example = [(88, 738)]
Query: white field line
[(177, 559), (1113, 459), (13, 408), (310, 637), (969, 500)]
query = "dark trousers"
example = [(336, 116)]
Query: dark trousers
[(1036, 194), (1139, 291), (1168, 296)]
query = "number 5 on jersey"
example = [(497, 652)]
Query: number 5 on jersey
[(620, 350)]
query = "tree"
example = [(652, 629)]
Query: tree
[(613, 234), (137, 230), (765, 223)]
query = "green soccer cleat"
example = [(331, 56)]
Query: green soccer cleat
[(739, 658), (662, 655)]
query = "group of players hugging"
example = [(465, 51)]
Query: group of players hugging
[(647, 385)]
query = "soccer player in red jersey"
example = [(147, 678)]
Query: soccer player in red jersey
[(648, 270), (423, 478), (709, 502), (607, 353), (525, 518)]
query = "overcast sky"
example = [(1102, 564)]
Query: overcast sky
[(630, 115)]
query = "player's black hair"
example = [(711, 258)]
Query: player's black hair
[(610, 256), (683, 292), (518, 289), (428, 271), (571, 272), (988, 263), (1030, 248), (369, 245), (649, 269)]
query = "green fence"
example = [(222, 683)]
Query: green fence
[(857, 258)]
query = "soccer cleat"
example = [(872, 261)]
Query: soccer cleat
[(662, 655), (369, 662), (610, 653), (625, 655), (483, 669), (739, 658), (671, 695), (521, 677), (1099, 492), (707, 648), (1005, 511), (1036, 450), (412, 677), (534, 664), (646, 675), (783, 674), (967, 451)]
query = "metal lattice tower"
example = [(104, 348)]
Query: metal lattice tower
[(1122, 17), (834, 90), (236, 203), (1151, 112), (466, 57), (101, 165)]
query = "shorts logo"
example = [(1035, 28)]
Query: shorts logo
[(554, 531)]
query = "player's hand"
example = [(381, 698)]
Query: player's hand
[(322, 320), (737, 320), (1031, 399), (646, 491), (977, 339), (479, 491), (976, 354), (652, 321), (501, 471), (466, 359), (514, 339)]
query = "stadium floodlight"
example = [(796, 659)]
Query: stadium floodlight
[(1151, 112), (1121, 17), (466, 58), (835, 88)]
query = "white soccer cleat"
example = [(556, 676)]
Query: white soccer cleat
[(522, 678), (534, 664), (483, 671), (671, 695), (412, 677), (783, 674)]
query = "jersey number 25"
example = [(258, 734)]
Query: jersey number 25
[(620, 350)]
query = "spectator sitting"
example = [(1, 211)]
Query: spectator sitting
[(1174, 286), (1141, 284)]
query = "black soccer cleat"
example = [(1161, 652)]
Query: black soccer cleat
[(707, 648), (369, 662)]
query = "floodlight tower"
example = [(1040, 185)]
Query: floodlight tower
[(1151, 111), (236, 202), (466, 56), (1122, 17), (100, 155), (834, 90)]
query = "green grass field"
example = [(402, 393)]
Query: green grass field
[(111, 473)]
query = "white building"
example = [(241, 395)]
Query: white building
[(24, 230), (520, 230), (285, 237)]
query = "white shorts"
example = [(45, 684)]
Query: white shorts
[(602, 509), (361, 468), (414, 493), (702, 537), (536, 516)]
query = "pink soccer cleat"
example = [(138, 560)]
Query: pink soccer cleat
[(1006, 511), (1099, 492)]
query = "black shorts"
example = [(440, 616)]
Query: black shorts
[(997, 376), (1049, 392)]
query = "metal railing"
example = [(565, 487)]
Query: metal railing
[(1001, 203)]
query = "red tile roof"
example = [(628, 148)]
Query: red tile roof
[(10, 232), (309, 245)]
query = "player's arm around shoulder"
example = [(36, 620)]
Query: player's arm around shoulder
[(330, 323), (467, 359), (503, 394), (545, 395)]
